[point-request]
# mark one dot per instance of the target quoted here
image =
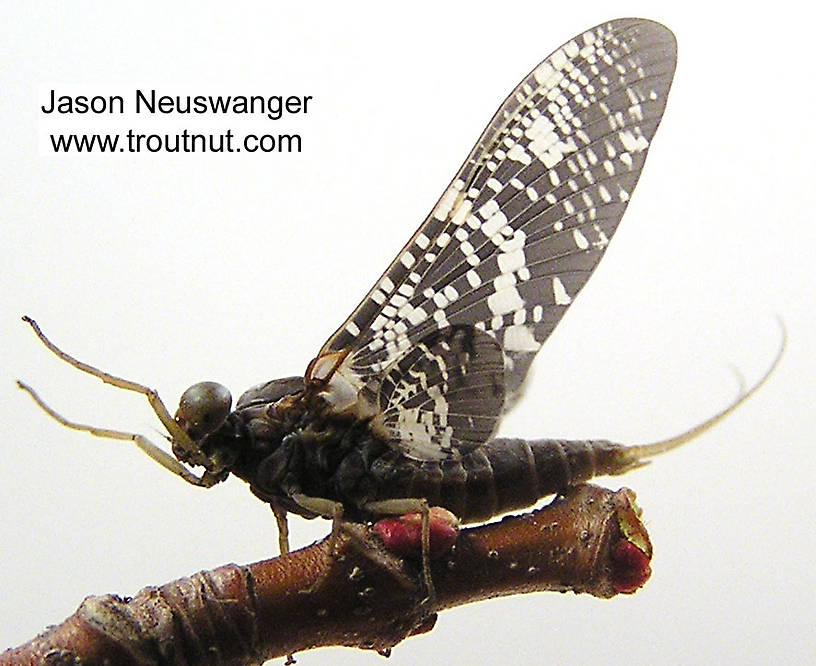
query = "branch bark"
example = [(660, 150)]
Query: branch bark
[(589, 541)]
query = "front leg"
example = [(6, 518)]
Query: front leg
[(327, 509), (283, 527), (159, 455), (322, 507)]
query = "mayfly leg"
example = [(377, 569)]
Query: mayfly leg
[(410, 505), (177, 435), (283, 527), (156, 453), (156, 403)]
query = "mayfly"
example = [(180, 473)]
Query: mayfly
[(397, 410)]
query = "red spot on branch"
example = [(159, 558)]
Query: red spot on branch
[(630, 567), (402, 535)]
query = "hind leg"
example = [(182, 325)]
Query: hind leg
[(400, 507), (334, 512)]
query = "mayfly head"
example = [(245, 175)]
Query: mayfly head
[(203, 408), (209, 440)]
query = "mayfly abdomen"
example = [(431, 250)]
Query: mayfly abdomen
[(505, 474), (510, 474)]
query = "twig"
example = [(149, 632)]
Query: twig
[(589, 541)]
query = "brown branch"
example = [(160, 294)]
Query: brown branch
[(589, 541)]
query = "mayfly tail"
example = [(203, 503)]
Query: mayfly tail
[(638, 454)]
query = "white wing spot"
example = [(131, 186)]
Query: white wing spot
[(540, 127), (511, 261), (518, 154), (580, 240), (558, 59), (603, 239), (447, 201), (462, 211), (560, 293), (493, 224), (417, 316), (440, 301), (506, 297), (520, 339), (543, 72), (489, 209), (632, 144)]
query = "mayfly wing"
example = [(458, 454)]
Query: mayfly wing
[(518, 232), (443, 396)]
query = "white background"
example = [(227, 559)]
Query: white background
[(171, 269)]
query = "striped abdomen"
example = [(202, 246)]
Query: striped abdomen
[(505, 474)]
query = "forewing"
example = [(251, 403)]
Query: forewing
[(527, 218)]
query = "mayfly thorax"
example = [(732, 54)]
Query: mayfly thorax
[(397, 410)]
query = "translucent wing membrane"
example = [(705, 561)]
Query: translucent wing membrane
[(523, 224)]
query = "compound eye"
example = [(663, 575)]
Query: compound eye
[(203, 408)]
